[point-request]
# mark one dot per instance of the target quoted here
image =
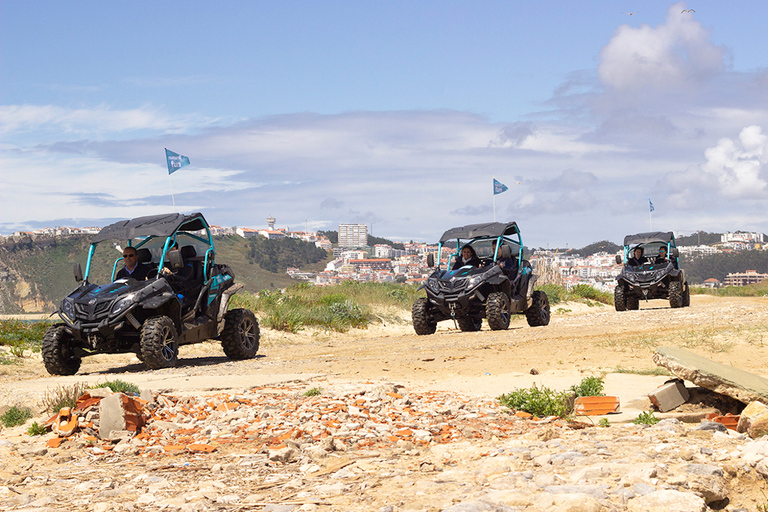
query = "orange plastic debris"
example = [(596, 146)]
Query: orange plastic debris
[(66, 423), (595, 405), (201, 448), (54, 442)]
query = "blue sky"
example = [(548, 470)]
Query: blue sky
[(395, 114)]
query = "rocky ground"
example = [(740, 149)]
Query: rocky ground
[(403, 422)]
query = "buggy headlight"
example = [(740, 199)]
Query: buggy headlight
[(68, 308), (122, 304), (474, 281), (432, 283)]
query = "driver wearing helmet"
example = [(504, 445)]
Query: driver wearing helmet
[(638, 258)]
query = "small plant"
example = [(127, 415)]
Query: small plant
[(589, 386), (36, 429), (15, 416), (313, 392), (646, 418), (62, 396), (539, 402), (17, 350), (119, 386), (604, 423)]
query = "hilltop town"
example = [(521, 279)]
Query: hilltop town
[(353, 259)]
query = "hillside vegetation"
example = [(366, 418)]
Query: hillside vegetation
[(35, 276)]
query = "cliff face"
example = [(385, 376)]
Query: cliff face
[(36, 273)]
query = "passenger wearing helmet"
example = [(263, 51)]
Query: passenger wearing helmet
[(638, 258)]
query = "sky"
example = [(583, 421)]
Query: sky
[(395, 114)]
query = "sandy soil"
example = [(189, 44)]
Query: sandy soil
[(580, 340)]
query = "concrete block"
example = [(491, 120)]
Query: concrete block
[(670, 395)]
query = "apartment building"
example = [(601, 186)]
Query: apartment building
[(353, 235)]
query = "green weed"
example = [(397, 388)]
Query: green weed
[(313, 392), (15, 416), (540, 402), (589, 386), (646, 418), (36, 429), (119, 386), (604, 423)]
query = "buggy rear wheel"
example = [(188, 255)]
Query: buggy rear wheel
[(58, 353), (159, 343), (240, 337), (497, 311), (423, 323), (538, 314)]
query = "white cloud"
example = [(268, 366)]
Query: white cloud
[(93, 123), (740, 166), (671, 56)]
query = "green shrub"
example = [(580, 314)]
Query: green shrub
[(36, 429), (539, 402), (15, 416), (555, 293), (17, 333), (646, 418), (313, 392), (589, 386), (119, 386)]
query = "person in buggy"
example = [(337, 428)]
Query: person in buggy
[(467, 256), (638, 258)]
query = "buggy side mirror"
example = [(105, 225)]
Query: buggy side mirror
[(78, 272), (505, 252), (618, 259), (675, 252), (430, 260)]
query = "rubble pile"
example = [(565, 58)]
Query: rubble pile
[(376, 447)]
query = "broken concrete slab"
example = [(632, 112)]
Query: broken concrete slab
[(742, 385)]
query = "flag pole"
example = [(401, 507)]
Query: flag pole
[(172, 198)]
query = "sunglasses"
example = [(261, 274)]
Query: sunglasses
[(129, 255)]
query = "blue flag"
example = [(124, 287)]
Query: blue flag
[(651, 204), (175, 161), (498, 187)]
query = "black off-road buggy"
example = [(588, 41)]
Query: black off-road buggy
[(650, 280), (151, 318), (469, 294)]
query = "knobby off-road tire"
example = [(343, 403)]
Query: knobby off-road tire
[(240, 337), (619, 298), (423, 323), (633, 302), (470, 324), (497, 311), (687, 296), (676, 294), (58, 352), (159, 343), (538, 314)]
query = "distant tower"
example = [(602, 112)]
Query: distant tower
[(271, 223)]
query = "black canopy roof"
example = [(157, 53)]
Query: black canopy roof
[(489, 229), (152, 225), (653, 236)]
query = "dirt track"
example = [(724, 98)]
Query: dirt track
[(580, 338)]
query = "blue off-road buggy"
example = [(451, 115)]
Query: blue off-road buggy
[(491, 291), (152, 317), (651, 279)]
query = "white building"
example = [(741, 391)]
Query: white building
[(353, 235)]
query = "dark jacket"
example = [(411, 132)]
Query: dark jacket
[(474, 261), (139, 272)]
